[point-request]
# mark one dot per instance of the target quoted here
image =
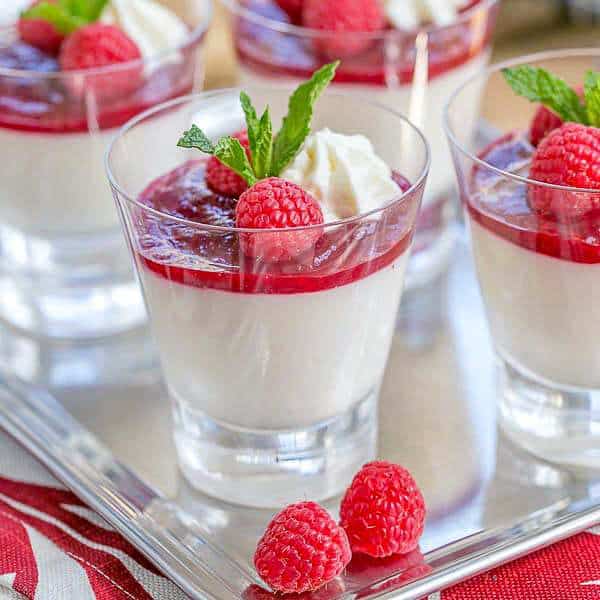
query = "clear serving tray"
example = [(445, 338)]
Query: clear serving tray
[(104, 430)]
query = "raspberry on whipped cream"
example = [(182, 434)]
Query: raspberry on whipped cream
[(343, 173), (410, 14)]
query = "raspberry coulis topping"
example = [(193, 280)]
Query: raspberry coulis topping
[(505, 208), (204, 259), (275, 53), (47, 105)]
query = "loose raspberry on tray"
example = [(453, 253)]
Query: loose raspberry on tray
[(383, 510), (302, 549)]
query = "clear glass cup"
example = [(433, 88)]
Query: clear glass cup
[(273, 368), (412, 72), (539, 276), (64, 271)]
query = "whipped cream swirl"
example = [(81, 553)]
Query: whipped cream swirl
[(153, 27), (410, 14), (343, 173)]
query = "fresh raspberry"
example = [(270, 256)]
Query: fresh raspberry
[(40, 33), (568, 156), (274, 204), (333, 590), (383, 511), (347, 19), (98, 45), (221, 179), (544, 121), (302, 549), (293, 8)]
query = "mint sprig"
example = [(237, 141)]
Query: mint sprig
[(538, 85), (592, 97), (66, 15), (296, 125), (228, 150), (269, 155)]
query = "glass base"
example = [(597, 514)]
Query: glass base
[(557, 423), (72, 287), (434, 242), (268, 469)]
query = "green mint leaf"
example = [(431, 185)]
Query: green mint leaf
[(65, 22), (592, 97), (196, 138), (88, 10), (538, 85), (231, 153), (296, 125), (263, 154), (252, 122)]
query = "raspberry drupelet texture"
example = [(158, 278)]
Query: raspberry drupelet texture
[(98, 45), (544, 121), (279, 206), (383, 510), (568, 156), (221, 178), (302, 549), (343, 18)]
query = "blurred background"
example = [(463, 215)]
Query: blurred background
[(525, 26)]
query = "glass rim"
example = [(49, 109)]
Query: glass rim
[(165, 106), (257, 19), (495, 68), (193, 37)]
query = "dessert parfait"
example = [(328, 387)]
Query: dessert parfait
[(71, 73), (409, 54), (532, 197), (272, 266)]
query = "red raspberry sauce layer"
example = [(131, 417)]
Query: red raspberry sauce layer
[(342, 255), (46, 105), (278, 54), (506, 212)]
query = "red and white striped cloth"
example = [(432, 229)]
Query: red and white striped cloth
[(52, 547)]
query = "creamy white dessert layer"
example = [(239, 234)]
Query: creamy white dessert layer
[(55, 184), (544, 312), (441, 177), (274, 361)]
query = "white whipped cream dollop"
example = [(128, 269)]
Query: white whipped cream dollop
[(153, 27), (410, 14), (343, 173), (10, 11)]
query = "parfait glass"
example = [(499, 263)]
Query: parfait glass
[(413, 72), (64, 271), (273, 368), (539, 274)]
